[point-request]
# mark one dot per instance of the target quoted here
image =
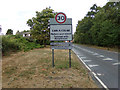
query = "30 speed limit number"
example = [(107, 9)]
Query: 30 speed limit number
[(60, 17)]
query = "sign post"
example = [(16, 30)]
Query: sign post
[(69, 58), (53, 58), (61, 30)]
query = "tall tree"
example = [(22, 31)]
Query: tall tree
[(100, 28), (93, 10), (9, 32), (39, 25)]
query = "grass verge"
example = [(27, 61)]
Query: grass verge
[(115, 49), (33, 69)]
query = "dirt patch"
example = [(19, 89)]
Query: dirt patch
[(33, 69)]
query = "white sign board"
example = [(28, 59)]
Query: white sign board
[(61, 47), (60, 32), (60, 28)]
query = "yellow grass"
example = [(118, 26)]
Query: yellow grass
[(33, 69)]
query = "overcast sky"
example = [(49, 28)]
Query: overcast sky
[(15, 13)]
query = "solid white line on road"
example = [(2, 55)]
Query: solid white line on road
[(93, 65), (87, 60), (100, 81), (84, 63), (93, 73), (107, 59), (116, 63)]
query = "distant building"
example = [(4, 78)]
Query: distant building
[(24, 34)]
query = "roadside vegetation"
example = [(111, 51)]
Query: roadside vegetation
[(100, 26), (14, 43), (39, 30), (34, 69)]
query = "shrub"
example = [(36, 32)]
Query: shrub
[(9, 44), (17, 43)]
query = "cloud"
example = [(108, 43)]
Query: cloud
[(15, 13)]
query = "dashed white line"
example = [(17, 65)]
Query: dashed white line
[(93, 73), (91, 52), (107, 59), (99, 74), (84, 63), (100, 56), (87, 60), (95, 54), (93, 65), (100, 81), (116, 63), (83, 57)]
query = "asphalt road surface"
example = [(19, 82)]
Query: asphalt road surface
[(102, 63)]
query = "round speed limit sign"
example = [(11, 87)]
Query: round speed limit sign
[(60, 17)]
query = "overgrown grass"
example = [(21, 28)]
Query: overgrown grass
[(16, 43), (34, 70)]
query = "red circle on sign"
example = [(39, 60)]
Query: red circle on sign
[(62, 14)]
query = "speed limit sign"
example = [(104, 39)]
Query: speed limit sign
[(60, 28), (60, 17)]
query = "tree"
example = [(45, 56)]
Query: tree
[(94, 10), (101, 26), (39, 25), (9, 32), (17, 32)]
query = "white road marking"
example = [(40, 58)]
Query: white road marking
[(87, 60), (84, 63), (100, 81), (116, 63), (99, 74), (93, 74), (93, 65), (95, 54), (82, 57), (100, 56), (108, 59), (91, 52)]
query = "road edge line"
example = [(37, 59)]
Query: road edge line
[(100, 81)]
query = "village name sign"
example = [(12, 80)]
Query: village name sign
[(61, 30)]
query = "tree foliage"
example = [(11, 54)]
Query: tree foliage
[(39, 25), (9, 32), (101, 26)]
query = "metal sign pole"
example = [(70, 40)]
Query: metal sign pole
[(53, 58), (69, 58)]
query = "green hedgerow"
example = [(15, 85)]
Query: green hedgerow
[(17, 43)]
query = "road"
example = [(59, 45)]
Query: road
[(102, 63)]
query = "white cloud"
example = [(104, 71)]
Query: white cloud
[(15, 13)]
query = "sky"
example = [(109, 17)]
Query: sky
[(15, 13)]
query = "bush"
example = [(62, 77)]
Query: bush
[(16, 43), (9, 45)]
